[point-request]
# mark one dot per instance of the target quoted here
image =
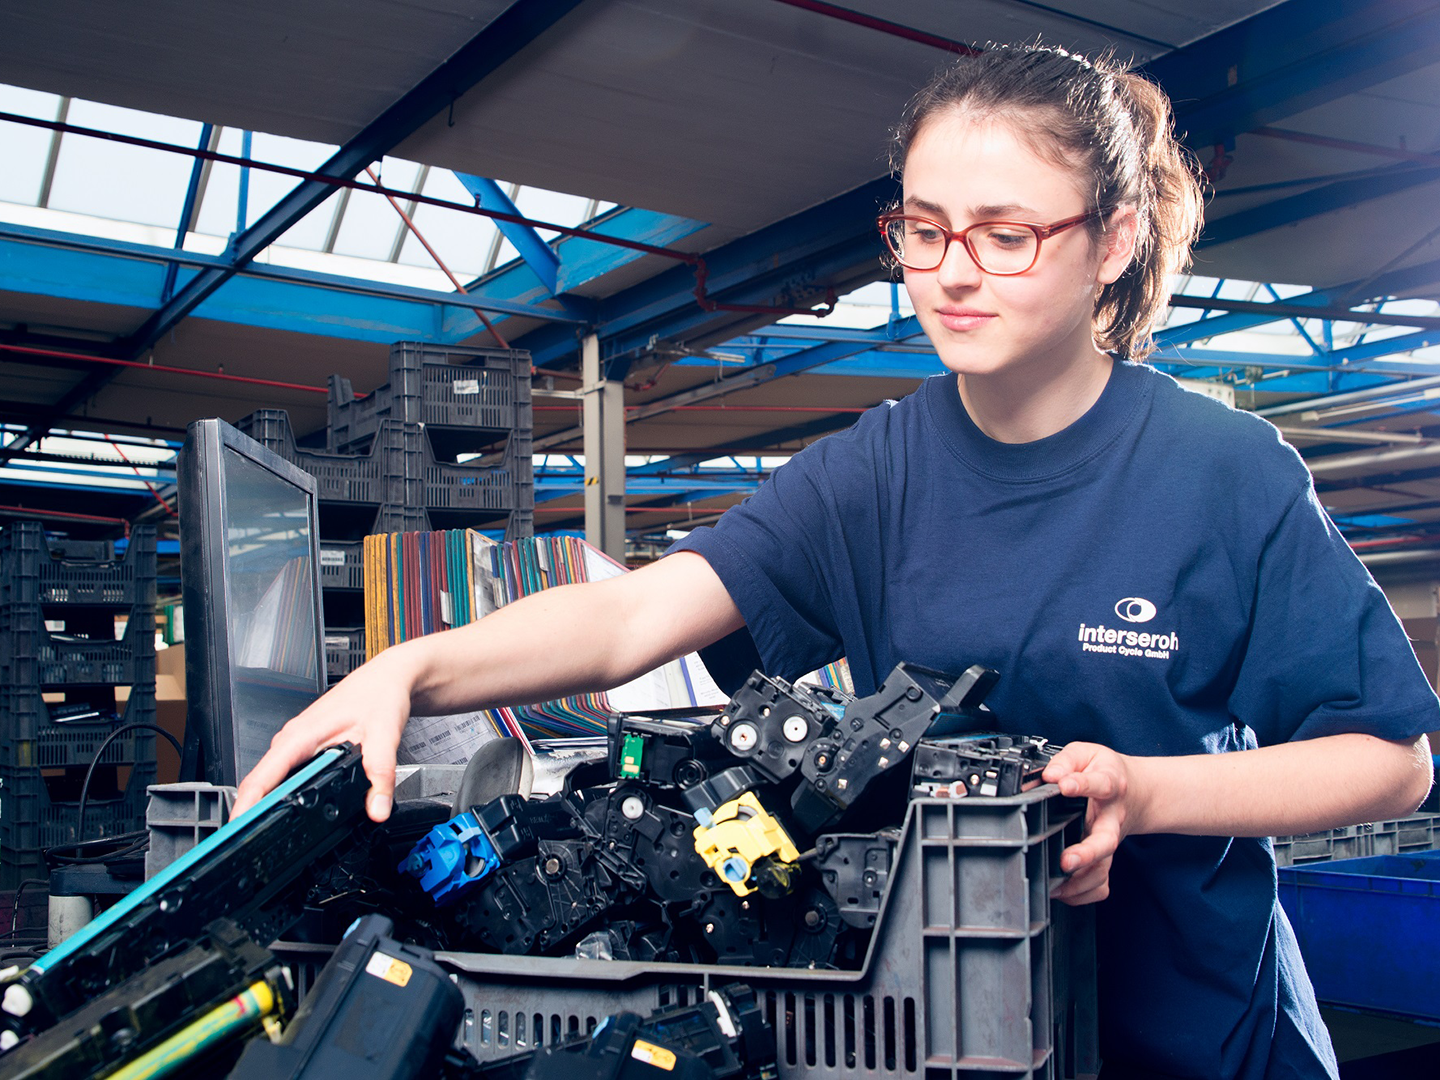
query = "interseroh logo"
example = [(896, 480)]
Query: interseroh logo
[(1121, 642), (1135, 609)]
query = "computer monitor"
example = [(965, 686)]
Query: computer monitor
[(250, 578)]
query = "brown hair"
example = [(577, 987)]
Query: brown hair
[(1118, 128)]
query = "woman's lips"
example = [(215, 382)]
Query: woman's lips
[(963, 318)]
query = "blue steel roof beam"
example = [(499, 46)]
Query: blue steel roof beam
[(836, 237), (1396, 282), (534, 252), (1362, 359), (1315, 347), (14, 273), (1293, 57), (187, 211), (506, 35), (581, 261)]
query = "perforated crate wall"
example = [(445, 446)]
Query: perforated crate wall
[(972, 972), (470, 389), (36, 569)]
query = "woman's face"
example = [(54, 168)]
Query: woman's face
[(960, 171)]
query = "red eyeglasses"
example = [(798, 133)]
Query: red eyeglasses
[(1003, 248)]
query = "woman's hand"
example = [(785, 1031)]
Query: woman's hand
[(1106, 779), (369, 708)]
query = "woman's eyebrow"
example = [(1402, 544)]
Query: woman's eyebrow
[(985, 213), (979, 213), (914, 203)]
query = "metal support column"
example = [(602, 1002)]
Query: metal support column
[(604, 417)]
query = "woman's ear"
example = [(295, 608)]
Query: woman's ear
[(1119, 244)]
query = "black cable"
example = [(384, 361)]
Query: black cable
[(85, 787), (106, 849), (15, 911)]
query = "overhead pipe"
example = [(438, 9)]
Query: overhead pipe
[(30, 511), (1371, 438), (91, 358), (1327, 466), (1334, 400), (885, 26)]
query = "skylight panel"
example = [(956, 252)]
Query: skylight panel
[(23, 148), (462, 240), (370, 225), (124, 183)]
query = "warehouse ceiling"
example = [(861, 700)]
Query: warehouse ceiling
[(754, 133)]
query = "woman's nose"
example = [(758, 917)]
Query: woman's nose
[(958, 269)]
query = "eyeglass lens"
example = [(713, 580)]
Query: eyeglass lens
[(998, 247)]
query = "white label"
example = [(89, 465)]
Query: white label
[(466, 386), (337, 642), (332, 557)]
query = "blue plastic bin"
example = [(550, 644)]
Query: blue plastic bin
[(1369, 930)]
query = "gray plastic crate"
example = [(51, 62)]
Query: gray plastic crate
[(400, 469), (36, 569), (467, 389), (344, 652), (971, 972), (1419, 832), (179, 816), (342, 564)]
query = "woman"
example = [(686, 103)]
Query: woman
[(1149, 570)]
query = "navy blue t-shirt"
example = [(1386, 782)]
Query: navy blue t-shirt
[(1158, 578)]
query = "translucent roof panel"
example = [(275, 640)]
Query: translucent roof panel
[(359, 232), (127, 183), (26, 148), (461, 240)]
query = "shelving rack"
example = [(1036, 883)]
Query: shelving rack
[(77, 662)]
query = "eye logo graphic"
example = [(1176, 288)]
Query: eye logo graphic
[(1135, 609)]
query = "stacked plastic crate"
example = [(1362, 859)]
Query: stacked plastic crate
[(391, 463), (77, 663)]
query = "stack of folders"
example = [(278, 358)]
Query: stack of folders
[(419, 583)]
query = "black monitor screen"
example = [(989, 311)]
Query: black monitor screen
[(252, 601), (273, 663)]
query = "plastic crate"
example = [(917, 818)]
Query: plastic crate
[(33, 818), (179, 816), (1420, 832), (402, 475), (344, 652), (507, 485), (1369, 930), (30, 736), (36, 569), (342, 564), (31, 655), (390, 519), (971, 972), (473, 389), (391, 472)]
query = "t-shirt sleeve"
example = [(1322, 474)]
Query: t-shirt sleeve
[(1326, 654), (774, 554)]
